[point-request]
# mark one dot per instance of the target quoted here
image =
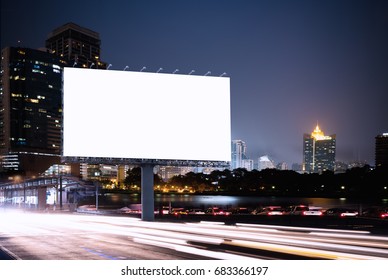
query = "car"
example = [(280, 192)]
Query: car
[(165, 210), (179, 211), (124, 210), (384, 213), (376, 212), (341, 212), (313, 211), (241, 211), (217, 211), (269, 211), (296, 209), (196, 211)]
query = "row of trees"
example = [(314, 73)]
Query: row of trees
[(356, 182)]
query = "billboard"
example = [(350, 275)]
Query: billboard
[(140, 115)]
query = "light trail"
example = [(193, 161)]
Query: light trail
[(201, 240)]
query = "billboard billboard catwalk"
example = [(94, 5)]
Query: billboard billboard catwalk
[(139, 115)]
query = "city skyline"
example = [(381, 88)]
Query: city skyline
[(290, 64)]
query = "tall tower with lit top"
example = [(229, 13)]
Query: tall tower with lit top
[(318, 151)]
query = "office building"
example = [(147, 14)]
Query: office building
[(264, 162), (30, 110), (248, 164), (381, 151), (282, 166), (318, 151), (79, 46), (239, 149)]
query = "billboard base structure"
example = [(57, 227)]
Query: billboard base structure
[(147, 192), (137, 161), (147, 174)]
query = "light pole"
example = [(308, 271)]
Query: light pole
[(160, 69), (144, 68), (125, 68), (176, 70), (75, 63), (191, 72), (96, 197), (91, 65), (108, 66), (223, 74), (60, 192), (207, 73)]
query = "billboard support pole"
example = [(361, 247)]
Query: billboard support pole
[(147, 192)]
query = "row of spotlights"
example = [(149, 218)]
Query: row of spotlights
[(158, 71)]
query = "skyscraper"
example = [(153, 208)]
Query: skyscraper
[(79, 46), (30, 109), (318, 151), (239, 149), (381, 151), (265, 162)]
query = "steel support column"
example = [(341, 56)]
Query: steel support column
[(147, 192)]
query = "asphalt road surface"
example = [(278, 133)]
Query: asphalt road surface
[(48, 236)]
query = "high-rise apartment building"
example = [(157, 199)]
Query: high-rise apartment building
[(318, 151), (381, 151), (30, 109), (79, 46), (239, 149)]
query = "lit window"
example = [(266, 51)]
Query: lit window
[(32, 100)]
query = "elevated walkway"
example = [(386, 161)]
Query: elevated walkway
[(45, 192)]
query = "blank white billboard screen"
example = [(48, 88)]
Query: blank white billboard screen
[(138, 115)]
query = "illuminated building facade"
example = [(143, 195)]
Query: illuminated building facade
[(81, 48), (239, 149), (31, 109), (264, 162), (318, 151), (381, 151), (78, 45)]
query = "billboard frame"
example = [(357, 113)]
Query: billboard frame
[(137, 161), (147, 164)]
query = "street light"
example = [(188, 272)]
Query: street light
[(75, 63), (160, 69), (125, 68), (144, 68), (191, 72), (108, 66), (176, 70), (207, 73), (223, 74), (91, 65)]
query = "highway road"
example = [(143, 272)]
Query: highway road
[(48, 236)]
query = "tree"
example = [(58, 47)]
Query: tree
[(133, 177)]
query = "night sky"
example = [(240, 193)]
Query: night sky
[(291, 63)]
